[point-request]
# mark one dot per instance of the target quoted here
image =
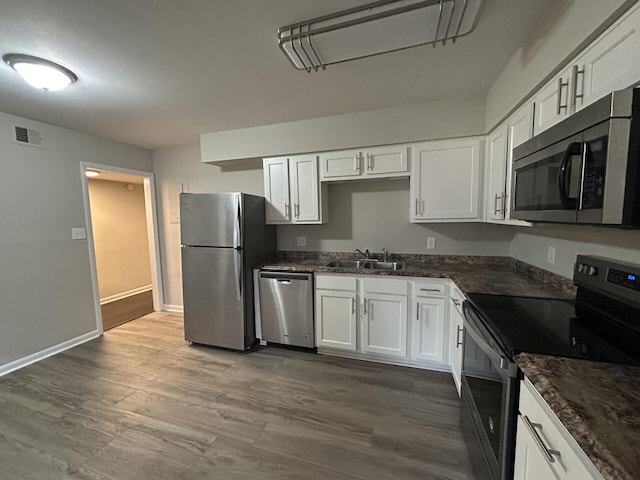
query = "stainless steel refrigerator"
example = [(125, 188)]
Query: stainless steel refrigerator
[(222, 235)]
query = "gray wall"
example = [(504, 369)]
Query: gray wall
[(453, 117), (45, 280), (182, 165), (373, 215), (531, 245)]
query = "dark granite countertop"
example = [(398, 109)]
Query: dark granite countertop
[(598, 403), (477, 274)]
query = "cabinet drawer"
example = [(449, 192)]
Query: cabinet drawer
[(385, 285), (335, 282), (569, 459), (428, 289)]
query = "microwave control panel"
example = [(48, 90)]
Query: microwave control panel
[(594, 172)]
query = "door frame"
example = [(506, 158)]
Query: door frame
[(153, 236)]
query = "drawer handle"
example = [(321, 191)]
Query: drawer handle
[(430, 290), (547, 452), (353, 306)]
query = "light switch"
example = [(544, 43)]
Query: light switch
[(78, 233)]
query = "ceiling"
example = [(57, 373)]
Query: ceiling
[(159, 73)]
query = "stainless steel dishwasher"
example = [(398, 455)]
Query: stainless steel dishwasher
[(286, 308)]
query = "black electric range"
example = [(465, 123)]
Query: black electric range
[(601, 324)]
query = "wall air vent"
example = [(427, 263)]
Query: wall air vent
[(27, 136)]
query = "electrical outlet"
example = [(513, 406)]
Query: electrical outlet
[(551, 255), (301, 241), (78, 233), (431, 243)]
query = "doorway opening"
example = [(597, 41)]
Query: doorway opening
[(123, 243)]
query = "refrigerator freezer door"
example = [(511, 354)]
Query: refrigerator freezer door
[(213, 291), (211, 219)]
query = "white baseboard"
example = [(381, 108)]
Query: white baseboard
[(128, 293), (47, 352), (173, 308)]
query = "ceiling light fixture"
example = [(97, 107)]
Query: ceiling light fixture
[(40, 73), (375, 28), (91, 173)]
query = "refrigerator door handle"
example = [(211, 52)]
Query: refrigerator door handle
[(237, 271), (237, 232)]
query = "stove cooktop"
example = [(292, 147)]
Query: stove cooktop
[(552, 326)]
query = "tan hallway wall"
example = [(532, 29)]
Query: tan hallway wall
[(120, 237)]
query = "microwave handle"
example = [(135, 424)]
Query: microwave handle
[(574, 148)]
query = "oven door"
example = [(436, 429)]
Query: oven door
[(546, 185), (489, 400)]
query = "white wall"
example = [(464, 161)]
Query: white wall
[(557, 38), (531, 245), (458, 117), (182, 165), (45, 279)]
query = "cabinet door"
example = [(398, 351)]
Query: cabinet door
[(428, 332), (384, 329), (496, 169), (552, 102), (340, 165), (610, 63), (305, 196), (386, 160), (530, 463), (336, 319), (519, 130), (276, 190), (445, 181), (457, 338)]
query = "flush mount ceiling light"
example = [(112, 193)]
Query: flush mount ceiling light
[(375, 28), (40, 73), (91, 173)]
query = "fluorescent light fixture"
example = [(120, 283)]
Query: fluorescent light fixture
[(91, 173), (40, 73), (375, 28)]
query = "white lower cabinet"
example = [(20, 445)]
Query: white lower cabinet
[(336, 312), (428, 332), (545, 450), (456, 319), (384, 324), (403, 320)]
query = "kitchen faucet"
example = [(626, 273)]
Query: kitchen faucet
[(385, 254), (365, 254)]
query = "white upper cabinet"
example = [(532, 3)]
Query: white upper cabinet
[(373, 162), (445, 181), (340, 165), (496, 162), (499, 167), (608, 64), (293, 191), (552, 102), (276, 190)]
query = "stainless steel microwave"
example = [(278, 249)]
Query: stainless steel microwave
[(585, 169)]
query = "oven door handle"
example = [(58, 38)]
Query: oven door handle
[(498, 359), (567, 202)]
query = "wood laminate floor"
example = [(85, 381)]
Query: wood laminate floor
[(139, 403)]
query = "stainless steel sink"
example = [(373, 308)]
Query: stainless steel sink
[(369, 264), (385, 265), (348, 263)]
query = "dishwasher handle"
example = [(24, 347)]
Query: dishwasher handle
[(286, 277)]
